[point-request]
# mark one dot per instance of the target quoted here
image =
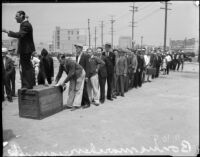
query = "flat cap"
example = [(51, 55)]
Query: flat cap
[(11, 48), (109, 44), (78, 45)]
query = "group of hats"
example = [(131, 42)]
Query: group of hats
[(4, 49)]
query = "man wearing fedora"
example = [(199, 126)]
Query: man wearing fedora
[(83, 59), (121, 72), (25, 48), (7, 69), (110, 58)]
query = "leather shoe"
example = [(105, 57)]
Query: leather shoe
[(74, 108), (10, 100), (102, 101), (85, 106), (114, 97), (110, 99), (96, 104)]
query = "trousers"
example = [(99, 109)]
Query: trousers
[(93, 88), (75, 91)]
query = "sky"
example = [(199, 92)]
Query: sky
[(182, 20)]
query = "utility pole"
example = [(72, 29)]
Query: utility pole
[(112, 21), (95, 38), (134, 9), (89, 31), (102, 33), (141, 41), (165, 29)]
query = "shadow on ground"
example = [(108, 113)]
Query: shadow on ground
[(8, 135)]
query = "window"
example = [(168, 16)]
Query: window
[(72, 32), (68, 38), (77, 32), (77, 38), (68, 32)]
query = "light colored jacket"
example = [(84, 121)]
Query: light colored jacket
[(135, 62), (121, 66)]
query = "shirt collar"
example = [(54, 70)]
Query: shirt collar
[(24, 21)]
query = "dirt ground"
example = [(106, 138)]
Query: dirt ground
[(161, 117)]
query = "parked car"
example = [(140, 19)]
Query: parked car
[(189, 54), (187, 58)]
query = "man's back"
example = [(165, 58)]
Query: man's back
[(25, 38)]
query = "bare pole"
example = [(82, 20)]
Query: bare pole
[(141, 41), (89, 31), (95, 38), (102, 33), (112, 21), (165, 29), (134, 9)]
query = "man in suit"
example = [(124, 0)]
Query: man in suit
[(158, 63), (7, 69), (153, 61), (110, 59), (134, 66), (25, 48), (102, 72), (130, 69), (121, 72), (83, 59), (76, 76), (140, 69), (46, 68)]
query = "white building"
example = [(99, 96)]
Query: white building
[(125, 42), (64, 39)]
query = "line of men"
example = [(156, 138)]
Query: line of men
[(122, 69)]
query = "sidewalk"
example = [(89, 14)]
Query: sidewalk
[(165, 110)]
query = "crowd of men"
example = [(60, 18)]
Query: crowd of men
[(121, 69)]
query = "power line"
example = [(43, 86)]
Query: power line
[(153, 12), (148, 5)]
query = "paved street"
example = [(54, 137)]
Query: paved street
[(163, 115)]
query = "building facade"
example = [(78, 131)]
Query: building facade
[(10, 43), (187, 45), (64, 39), (125, 42)]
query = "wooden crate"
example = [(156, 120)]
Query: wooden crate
[(40, 102)]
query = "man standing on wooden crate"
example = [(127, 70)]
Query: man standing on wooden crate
[(76, 76), (25, 48)]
